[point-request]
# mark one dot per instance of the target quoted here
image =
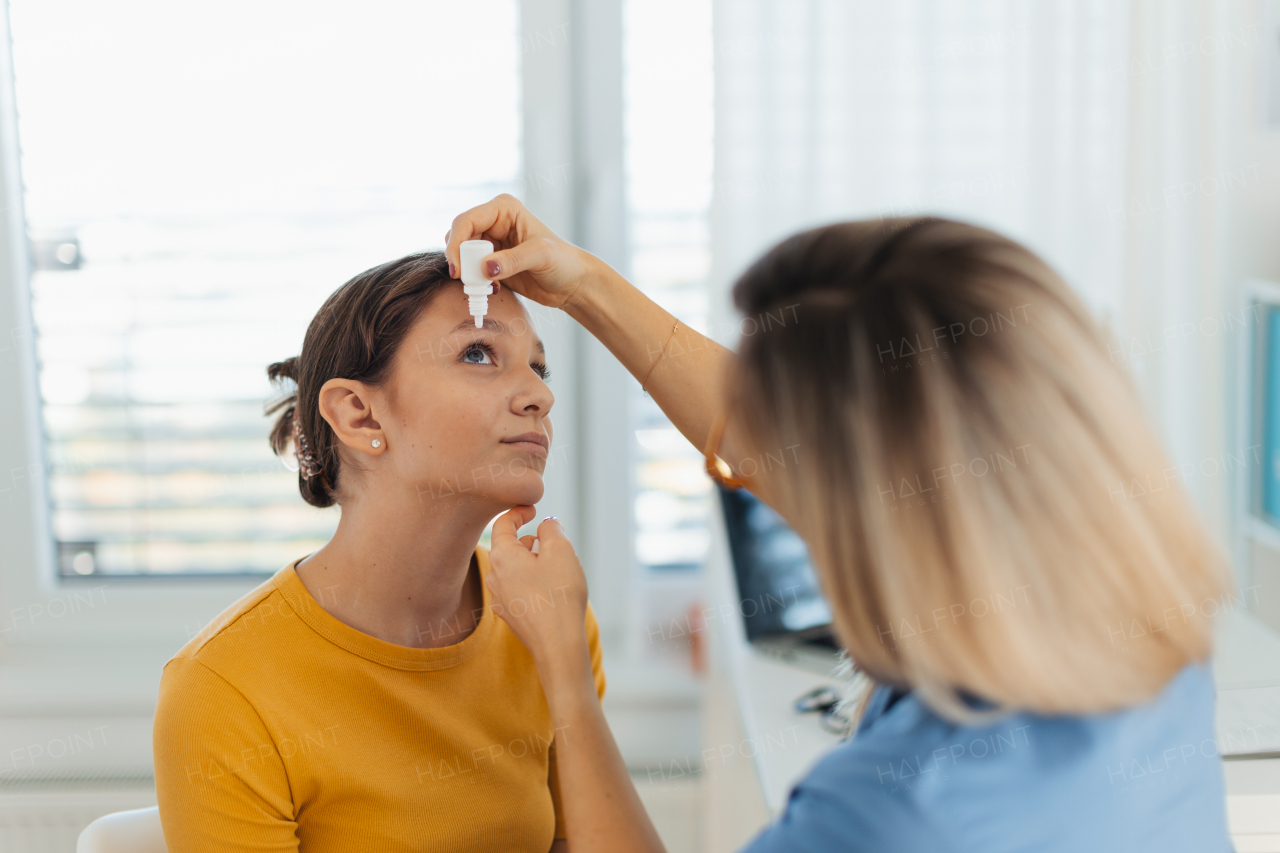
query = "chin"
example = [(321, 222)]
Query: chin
[(528, 493)]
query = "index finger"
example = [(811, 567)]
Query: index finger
[(551, 528), (509, 523), (492, 216)]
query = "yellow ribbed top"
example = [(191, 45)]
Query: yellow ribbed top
[(281, 728)]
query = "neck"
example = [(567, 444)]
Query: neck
[(401, 576)]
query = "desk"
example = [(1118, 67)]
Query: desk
[(756, 747), (1247, 654)]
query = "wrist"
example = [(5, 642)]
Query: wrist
[(597, 281), (565, 668)]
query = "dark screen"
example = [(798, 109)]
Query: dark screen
[(777, 588)]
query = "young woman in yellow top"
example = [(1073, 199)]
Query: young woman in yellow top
[(368, 697)]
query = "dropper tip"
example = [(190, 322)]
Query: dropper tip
[(479, 322)]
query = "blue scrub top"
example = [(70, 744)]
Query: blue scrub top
[(1146, 778)]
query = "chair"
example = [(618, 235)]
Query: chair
[(136, 831)]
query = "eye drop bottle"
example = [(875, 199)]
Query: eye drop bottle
[(474, 283)]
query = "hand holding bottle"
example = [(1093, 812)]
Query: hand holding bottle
[(531, 259)]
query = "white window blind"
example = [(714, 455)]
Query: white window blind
[(198, 179)]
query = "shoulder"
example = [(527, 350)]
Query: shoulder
[(239, 638), (218, 770), (233, 618), (901, 726), (911, 775)]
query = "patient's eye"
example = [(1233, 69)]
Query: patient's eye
[(478, 353), (542, 370)]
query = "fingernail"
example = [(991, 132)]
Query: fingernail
[(494, 269), (496, 286), (453, 271)]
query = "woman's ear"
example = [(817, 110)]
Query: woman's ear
[(347, 406)]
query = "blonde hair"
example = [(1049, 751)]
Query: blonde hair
[(966, 456)]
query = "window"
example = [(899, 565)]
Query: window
[(668, 126), (197, 180)]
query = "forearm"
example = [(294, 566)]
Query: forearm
[(602, 811), (688, 383)]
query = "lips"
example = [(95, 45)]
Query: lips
[(530, 442)]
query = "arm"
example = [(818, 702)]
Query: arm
[(597, 670), (602, 811), (220, 781), (687, 383), (828, 810)]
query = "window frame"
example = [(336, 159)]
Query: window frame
[(39, 607), (571, 89)]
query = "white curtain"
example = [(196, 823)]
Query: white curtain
[(1062, 123), (1008, 113)]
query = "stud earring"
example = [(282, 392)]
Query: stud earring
[(377, 443)]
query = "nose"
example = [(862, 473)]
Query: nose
[(533, 397)]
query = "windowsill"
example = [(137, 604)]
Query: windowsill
[(653, 705), (1247, 653), (36, 680), (109, 694), (71, 681)]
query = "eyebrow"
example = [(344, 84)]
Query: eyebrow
[(495, 326)]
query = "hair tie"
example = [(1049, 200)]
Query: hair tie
[(308, 465)]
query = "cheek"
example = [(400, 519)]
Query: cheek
[(448, 430)]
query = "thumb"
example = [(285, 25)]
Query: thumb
[(509, 523), (531, 255)]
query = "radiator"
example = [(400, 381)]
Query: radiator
[(47, 815)]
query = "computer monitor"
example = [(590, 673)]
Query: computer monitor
[(777, 589)]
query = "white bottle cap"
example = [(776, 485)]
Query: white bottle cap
[(474, 283)]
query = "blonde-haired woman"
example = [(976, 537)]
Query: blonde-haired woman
[(893, 356)]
